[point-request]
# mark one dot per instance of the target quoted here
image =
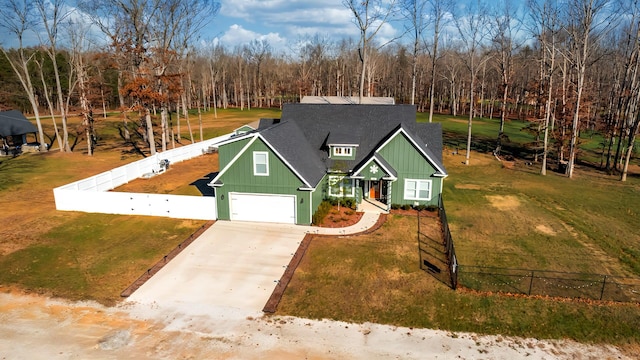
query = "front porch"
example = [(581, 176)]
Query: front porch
[(376, 195)]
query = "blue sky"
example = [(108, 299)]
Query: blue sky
[(284, 22)]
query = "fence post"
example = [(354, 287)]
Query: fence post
[(604, 283), (419, 245), (530, 284)]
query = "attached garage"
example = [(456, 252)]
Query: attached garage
[(262, 207)]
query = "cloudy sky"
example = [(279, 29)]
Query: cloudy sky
[(283, 22)]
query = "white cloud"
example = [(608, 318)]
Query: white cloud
[(287, 21), (236, 35)]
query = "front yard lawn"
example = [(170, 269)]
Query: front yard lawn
[(376, 277)]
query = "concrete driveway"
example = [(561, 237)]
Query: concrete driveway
[(230, 271), (231, 267)]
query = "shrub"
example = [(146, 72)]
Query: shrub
[(395, 206), (406, 207), (432, 208), (322, 212), (420, 207), (349, 202)]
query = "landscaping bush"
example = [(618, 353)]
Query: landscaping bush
[(322, 212), (406, 207), (348, 202), (395, 206)]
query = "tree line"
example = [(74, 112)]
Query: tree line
[(564, 66)]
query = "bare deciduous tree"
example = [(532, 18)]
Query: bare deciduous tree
[(17, 18), (473, 32), (587, 21), (369, 16)]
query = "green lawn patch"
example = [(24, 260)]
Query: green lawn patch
[(376, 278), (94, 256)]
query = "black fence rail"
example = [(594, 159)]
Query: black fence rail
[(550, 283), (438, 256)]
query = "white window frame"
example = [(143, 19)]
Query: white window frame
[(342, 151), (335, 179), (256, 162), (416, 188)]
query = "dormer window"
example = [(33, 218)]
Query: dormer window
[(342, 151)]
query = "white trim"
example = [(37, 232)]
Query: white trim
[(374, 158), (339, 180), (245, 125), (284, 161), (417, 189), (235, 158), (256, 163), (417, 146), (344, 144), (346, 149), (254, 137), (235, 138)]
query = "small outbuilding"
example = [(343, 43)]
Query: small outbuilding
[(14, 131)]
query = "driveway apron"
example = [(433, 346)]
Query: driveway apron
[(231, 266)]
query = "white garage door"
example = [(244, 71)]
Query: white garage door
[(263, 208)]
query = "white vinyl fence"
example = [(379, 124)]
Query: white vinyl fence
[(92, 194)]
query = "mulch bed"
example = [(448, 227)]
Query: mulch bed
[(340, 217)]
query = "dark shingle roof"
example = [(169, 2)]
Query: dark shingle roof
[(305, 131), (12, 122), (290, 143), (338, 138)]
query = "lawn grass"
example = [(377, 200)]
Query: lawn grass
[(495, 212), (503, 217), (93, 256), (506, 216), (376, 278), (88, 256)]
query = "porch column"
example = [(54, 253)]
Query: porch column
[(389, 195)]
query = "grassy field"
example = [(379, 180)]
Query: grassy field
[(501, 213), (376, 278), (91, 256)]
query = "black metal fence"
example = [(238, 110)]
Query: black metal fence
[(550, 283), (438, 256)]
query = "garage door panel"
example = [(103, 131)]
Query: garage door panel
[(263, 208)]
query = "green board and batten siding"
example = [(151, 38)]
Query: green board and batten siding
[(227, 152), (239, 178), (409, 163)]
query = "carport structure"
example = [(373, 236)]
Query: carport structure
[(14, 128)]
